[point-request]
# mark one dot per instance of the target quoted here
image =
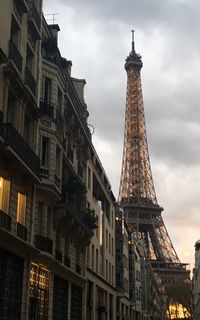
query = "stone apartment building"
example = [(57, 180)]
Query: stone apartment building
[(54, 193), (20, 25)]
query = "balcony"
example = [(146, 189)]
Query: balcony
[(21, 231), (47, 109), (5, 221), (34, 20), (30, 81), (58, 255), (21, 148), (44, 173), (44, 243), (52, 113), (23, 5), (15, 56)]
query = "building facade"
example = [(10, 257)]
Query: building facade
[(196, 283), (54, 193), (20, 24)]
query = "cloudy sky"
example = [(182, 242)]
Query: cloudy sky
[(95, 35)]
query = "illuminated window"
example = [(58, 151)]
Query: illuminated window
[(21, 208), (4, 195)]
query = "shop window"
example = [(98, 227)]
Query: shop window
[(21, 208), (4, 194)]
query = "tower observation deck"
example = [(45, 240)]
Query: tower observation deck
[(137, 194)]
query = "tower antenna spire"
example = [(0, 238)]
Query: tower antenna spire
[(133, 43)]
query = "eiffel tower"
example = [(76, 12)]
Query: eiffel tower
[(138, 198)]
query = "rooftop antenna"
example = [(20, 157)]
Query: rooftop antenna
[(133, 43), (52, 19)]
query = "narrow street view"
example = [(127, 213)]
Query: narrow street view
[(87, 232)]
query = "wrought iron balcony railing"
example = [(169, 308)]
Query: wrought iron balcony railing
[(44, 173), (21, 231), (5, 220), (30, 81), (47, 109), (43, 243), (15, 56), (23, 150), (51, 112)]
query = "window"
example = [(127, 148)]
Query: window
[(28, 136), (88, 255), (58, 158), (112, 275), (30, 60), (89, 178), (59, 100), (40, 218), (97, 260), (92, 256), (47, 89), (4, 195), (45, 152), (11, 108), (106, 269), (49, 221), (112, 246), (21, 208), (106, 239), (15, 33)]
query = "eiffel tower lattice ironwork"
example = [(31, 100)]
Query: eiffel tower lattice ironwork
[(137, 194)]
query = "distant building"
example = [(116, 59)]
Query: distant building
[(196, 283), (140, 292)]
